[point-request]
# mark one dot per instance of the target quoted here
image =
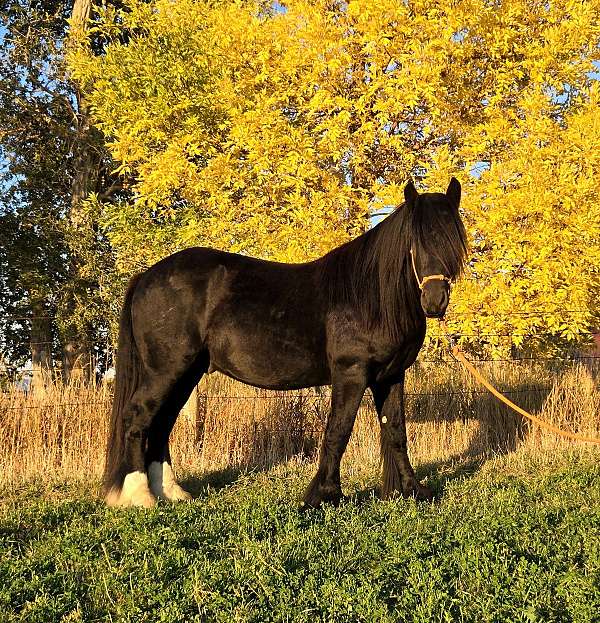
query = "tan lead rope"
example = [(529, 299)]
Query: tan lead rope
[(471, 368)]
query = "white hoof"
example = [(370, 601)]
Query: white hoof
[(135, 492), (163, 485)]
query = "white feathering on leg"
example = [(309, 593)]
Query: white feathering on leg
[(174, 491), (163, 484), (135, 492)]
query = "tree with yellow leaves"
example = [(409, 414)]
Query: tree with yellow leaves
[(276, 130)]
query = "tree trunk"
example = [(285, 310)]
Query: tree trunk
[(77, 366), (190, 408), (76, 346), (41, 347), (194, 411), (76, 353), (81, 13)]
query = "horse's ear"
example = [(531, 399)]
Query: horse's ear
[(410, 193), (453, 192)]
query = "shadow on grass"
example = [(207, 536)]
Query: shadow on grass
[(438, 474), (201, 485)]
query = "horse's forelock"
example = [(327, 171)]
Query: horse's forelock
[(449, 245)]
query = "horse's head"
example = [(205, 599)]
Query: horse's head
[(438, 244)]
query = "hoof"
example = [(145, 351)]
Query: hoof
[(419, 492), (319, 493), (116, 500), (415, 490), (112, 497), (178, 494)]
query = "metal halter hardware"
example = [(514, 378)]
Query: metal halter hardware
[(428, 277)]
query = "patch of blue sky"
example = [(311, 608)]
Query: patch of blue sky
[(460, 35), (380, 214), (479, 168)]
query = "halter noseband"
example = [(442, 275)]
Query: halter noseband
[(428, 277)]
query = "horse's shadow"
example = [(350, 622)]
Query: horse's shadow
[(438, 474), (202, 485)]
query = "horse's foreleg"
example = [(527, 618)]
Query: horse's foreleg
[(398, 473), (347, 391)]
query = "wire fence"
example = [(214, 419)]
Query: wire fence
[(293, 395), (548, 310), (553, 364)]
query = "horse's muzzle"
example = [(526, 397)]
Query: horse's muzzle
[(437, 315), (434, 299)]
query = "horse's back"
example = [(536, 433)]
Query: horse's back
[(261, 322)]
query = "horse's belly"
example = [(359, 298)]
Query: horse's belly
[(273, 360)]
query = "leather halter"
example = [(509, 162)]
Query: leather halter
[(428, 277)]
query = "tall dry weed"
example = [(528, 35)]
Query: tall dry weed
[(61, 431)]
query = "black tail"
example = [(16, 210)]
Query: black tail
[(126, 382)]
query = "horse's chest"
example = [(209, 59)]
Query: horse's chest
[(388, 364)]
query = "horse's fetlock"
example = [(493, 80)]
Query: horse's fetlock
[(321, 491)]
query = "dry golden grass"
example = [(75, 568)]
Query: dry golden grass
[(61, 431)]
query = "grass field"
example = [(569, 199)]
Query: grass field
[(514, 534), (515, 538)]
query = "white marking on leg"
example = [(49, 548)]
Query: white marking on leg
[(163, 484), (173, 490), (112, 497), (135, 492)]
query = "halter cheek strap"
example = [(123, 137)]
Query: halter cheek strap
[(428, 277)]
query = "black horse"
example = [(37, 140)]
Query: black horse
[(353, 319)]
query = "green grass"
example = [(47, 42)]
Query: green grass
[(501, 544)]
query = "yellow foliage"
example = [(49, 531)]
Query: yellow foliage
[(276, 131)]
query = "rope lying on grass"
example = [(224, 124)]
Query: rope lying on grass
[(459, 355)]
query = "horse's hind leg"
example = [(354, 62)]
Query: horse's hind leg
[(398, 473), (162, 479), (146, 401), (347, 391), (158, 456)]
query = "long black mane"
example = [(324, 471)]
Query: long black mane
[(373, 272)]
